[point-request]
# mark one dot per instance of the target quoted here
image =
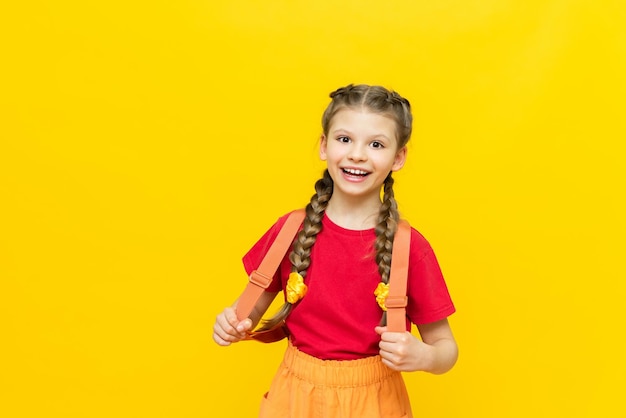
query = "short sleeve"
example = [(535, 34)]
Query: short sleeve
[(429, 299), (253, 258)]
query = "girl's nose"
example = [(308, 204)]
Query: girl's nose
[(357, 153)]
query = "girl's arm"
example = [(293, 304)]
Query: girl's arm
[(228, 329), (435, 353), (445, 352)]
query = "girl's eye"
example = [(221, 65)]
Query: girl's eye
[(343, 139), (377, 144)]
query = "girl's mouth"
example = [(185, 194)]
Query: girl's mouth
[(354, 172)]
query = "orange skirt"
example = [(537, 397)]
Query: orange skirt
[(307, 387)]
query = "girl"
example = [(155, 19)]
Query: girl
[(341, 361)]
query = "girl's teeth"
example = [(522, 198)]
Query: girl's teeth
[(355, 172)]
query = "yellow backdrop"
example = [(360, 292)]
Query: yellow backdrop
[(145, 146)]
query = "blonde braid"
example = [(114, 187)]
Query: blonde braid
[(386, 228), (300, 255)]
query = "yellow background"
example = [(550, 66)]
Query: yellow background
[(145, 145)]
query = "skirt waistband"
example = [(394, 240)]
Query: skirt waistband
[(336, 373)]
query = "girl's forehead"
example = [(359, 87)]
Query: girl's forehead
[(362, 119)]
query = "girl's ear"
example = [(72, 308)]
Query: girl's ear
[(323, 144), (400, 159)]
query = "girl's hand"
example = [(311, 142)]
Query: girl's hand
[(436, 352), (402, 351), (228, 329)]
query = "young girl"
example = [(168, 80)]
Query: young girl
[(340, 360)]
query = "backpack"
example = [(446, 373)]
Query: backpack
[(261, 278)]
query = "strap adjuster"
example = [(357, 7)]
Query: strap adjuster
[(396, 302), (260, 279)]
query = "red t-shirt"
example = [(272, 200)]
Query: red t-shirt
[(336, 318)]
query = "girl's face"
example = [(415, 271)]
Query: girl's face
[(360, 150)]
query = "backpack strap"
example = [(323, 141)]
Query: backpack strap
[(261, 278), (397, 300)]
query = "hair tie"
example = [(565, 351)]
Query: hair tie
[(381, 293), (296, 289)]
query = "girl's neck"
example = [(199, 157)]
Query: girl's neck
[(353, 215)]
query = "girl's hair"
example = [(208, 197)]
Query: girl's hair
[(374, 99)]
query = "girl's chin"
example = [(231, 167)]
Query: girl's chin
[(353, 191)]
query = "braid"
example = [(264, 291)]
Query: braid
[(343, 91), (386, 227), (300, 255)]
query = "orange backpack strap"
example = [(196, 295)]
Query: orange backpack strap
[(397, 300), (261, 278)]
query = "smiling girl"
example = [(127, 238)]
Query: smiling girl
[(341, 361)]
